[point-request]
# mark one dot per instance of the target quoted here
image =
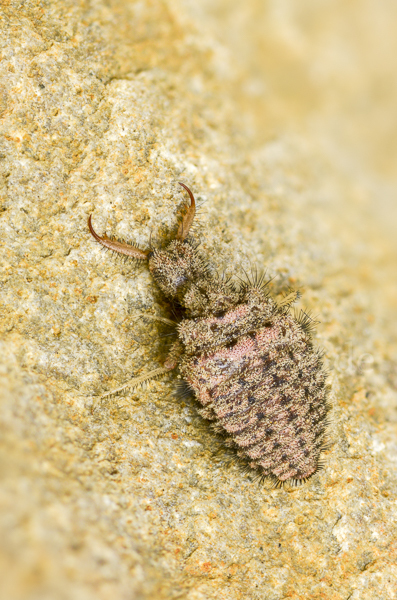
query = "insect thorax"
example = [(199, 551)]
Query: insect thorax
[(183, 275)]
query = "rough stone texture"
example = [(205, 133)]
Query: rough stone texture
[(281, 116)]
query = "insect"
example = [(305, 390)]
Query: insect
[(248, 359)]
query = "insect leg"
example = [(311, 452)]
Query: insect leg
[(133, 383), (154, 318)]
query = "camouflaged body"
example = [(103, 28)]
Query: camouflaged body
[(250, 363)]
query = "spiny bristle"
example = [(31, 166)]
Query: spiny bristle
[(306, 321), (255, 280), (183, 390), (171, 334)]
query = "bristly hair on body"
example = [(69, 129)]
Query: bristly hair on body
[(247, 358)]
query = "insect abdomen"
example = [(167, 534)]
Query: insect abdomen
[(267, 393)]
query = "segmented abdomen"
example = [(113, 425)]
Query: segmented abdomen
[(266, 393)]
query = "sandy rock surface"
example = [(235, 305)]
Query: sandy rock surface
[(281, 119)]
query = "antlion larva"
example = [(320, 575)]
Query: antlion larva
[(249, 361)]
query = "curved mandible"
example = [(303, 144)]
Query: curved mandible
[(119, 247), (188, 218)]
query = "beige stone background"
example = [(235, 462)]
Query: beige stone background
[(281, 116)]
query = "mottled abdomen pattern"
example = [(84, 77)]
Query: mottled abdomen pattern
[(264, 386)]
